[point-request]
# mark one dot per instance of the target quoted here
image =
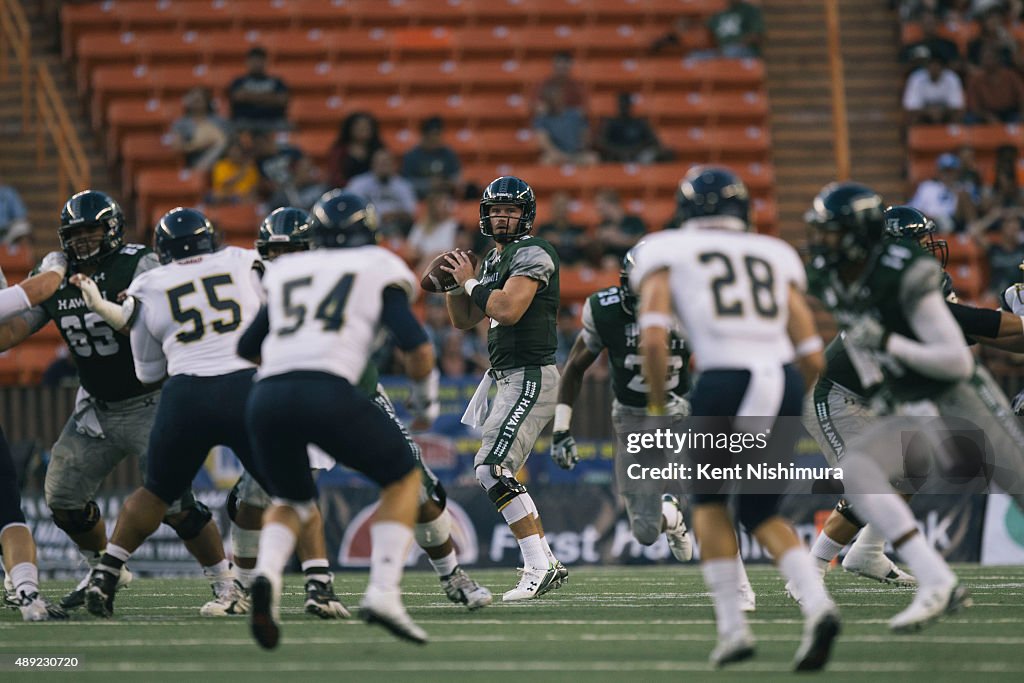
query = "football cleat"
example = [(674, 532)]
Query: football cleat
[(385, 607), (76, 598), (36, 608), (229, 599), (748, 599), (462, 589), (8, 597), (820, 631), (735, 648), (929, 605), (99, 596), (561, 578), (264, 617), (876, 566), (321, 600), (532, 583), (678, 536)]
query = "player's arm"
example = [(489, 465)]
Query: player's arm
[(34, 290), (463, 313), (250, 344), (990, 327), (118, 315), (655, 321), (148, 354), (563, 445), (420, 366), (810, 353), (530, 269)]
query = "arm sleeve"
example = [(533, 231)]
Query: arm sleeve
[(250, 344), (534, 263), (976, 322), (396, 315), (36, 317), (13, 301), (590, 336), (150, 363), (944, 356)]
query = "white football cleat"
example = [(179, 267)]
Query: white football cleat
[(748, 599), (820, 630), (735, 648), (229, 599), (36, 608), (929, 604), (461, 588), (385, 607), (532, 582), (876, 566), (10, 598), (678, 536)]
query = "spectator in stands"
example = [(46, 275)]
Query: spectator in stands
[(933, 94), (275, 161), (567, 327), (562, 132), (628, 138), (259, 101), (304, 186), (1002, 233), (915, 55), (392, 194), (434, 233), (14, 226), (436, 322), (1005, 191), (970, 177), (996, 35), (199, 134), (235, 178), (574, 94), (737, 32), (350, 155), (617, 230), (995, 93), (943, 199), (432, 165), (568, 238), (453, 362)]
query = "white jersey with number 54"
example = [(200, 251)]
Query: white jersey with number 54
[(191, 313), (325, 307), (729, 289)]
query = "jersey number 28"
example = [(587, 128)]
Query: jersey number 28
[(762, 285)]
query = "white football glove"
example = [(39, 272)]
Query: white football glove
[(563, 450), (423, 400), (116, 315), (866, 333), (55, 262)]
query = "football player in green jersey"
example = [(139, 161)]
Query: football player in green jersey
[(910, 357), (286, 230), (517, 288), (114, 411), (837, 410), (609, 322)]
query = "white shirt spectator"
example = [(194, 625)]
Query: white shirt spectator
[(937, 201), (393, 195), (922, 92), (437, 240)]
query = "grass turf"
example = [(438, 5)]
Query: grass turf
[(607, 624)]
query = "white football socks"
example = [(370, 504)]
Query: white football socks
[(534, 556), (722, 577), (869, 541), (390, 546), (276, 545), (25, 577), (444, 566), (825, 549), (797, 566)]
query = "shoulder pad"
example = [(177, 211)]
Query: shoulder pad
[(132, 249)]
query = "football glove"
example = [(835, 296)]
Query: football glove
[(563, 450), (423, 400), (868, 334)]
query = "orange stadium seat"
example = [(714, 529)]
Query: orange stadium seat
[(179, 187), (960, 33), (576, 283), (138, 116), (239, 220), (963, 249), (33, 359), (722, 144), (968, 280), (126, 82), (10, 368), (494, 145), (146, 150)]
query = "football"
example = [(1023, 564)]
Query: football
[(436, 280)]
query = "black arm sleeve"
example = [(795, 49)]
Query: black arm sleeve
[(250, 344), (976, 322), (398, 318)]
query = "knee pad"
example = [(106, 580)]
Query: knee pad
[(754, 510), (233, 500), (189, 523), (844, 508), (644, 531), (502, 488), (244, 542), (303, 509), (75, 522), (434, 533)]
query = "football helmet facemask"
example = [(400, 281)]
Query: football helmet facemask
[(283, 231), (91, 227)]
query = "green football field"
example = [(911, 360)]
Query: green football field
[(619, 624)]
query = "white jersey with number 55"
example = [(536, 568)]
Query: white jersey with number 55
[(191, 313), (729, 289), (324, 308)]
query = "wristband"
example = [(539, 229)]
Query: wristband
[(563, 416), (470, 284), (655, 411), (809, 346), (480, 296), (651, 319)]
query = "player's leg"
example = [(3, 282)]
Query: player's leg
[(246, 504), (433, 524), (311, 548), (78, 465), (516, 418), (18, 548)]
